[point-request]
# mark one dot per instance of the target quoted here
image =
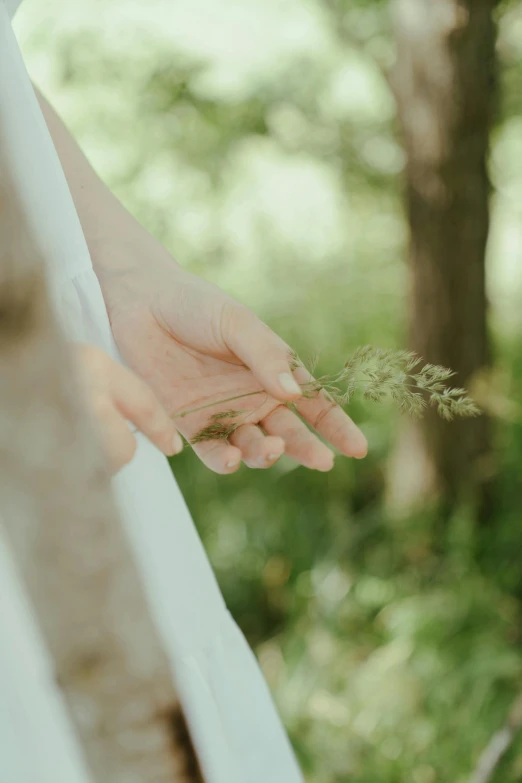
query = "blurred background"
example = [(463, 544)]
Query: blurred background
[(323, 161)]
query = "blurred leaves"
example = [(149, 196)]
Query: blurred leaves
[(258, 140)]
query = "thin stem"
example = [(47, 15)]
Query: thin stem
[(327, 383), (216, 402), (251, 394)]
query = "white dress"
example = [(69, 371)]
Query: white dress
[(235, 729)]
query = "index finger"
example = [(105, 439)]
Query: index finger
[(330, 421)]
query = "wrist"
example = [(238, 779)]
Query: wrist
[(127, 260)]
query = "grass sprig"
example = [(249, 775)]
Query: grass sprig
[(377, 374), (220, 426)]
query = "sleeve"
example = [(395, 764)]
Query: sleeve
[(33, 165)]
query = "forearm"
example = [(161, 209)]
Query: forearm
[(97, 208), (108, 227)]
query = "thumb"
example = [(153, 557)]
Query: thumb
[(262, 350)]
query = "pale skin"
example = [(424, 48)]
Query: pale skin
[(193, 344), (117, 396)]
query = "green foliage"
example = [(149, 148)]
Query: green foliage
[(258, 140)]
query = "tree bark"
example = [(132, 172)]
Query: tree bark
[(444, 81), (69, 546)]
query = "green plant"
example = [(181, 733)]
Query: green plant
[(377, 373)]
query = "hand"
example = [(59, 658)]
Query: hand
[(116, 396), (194, 344)]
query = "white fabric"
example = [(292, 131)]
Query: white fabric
[(12, 6), (235, 728)]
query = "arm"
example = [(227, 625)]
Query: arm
[(195, 345), (102, 216)]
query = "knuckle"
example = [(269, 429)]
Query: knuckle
[(275, 416), (323, 414), (237, 319), (236, 313)]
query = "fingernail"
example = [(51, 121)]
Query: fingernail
[(326, 469), (263, 462), (178, 443), (289, 384), (233, 463)]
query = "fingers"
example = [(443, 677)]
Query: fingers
[(219, 456), (331, 422), (263, 351), (115, 395), (258, 451), (138, 403), (267, 356), (118, 441), (247, 444), (300, 444)]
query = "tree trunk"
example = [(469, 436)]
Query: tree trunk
[(444, 81), (67, 541)]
